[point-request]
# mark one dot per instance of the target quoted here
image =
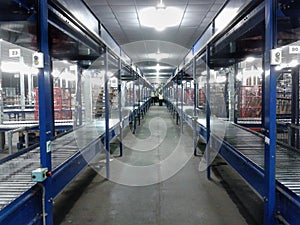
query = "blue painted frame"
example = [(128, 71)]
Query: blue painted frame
[(46, 117), (269, 113), (208, 170)]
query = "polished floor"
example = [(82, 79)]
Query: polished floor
[(178, 194)]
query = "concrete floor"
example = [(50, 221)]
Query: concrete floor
[(185, 198)]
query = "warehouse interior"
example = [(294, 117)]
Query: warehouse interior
[(149, 112)]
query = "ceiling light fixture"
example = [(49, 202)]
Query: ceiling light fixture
[(158, 56), (250, 59), (160, 17)]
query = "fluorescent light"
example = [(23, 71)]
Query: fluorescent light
[(294, 63), (221, 79), (160, 17), (17, 67), (55, 73), (250, 59), (68, 76), (158, 56), (157, 67), (204, 73)]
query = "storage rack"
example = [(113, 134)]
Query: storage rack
[(23, 201), (272, 169)]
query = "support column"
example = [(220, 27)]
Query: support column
[(133, 102), (208, 112), (195, 116), (269, 113), (78, 115), (295, 107), (236, 71), (120, 108), (107, 147), (46, 119), (181, 108)]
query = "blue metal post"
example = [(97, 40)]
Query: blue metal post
[(270, 114), (79, 99), (177, 107), (133, 102), (120, 107), (236, 71), (181, 108), (138, 101), (107, 147), (208, 111), (195, 107), (45, 89)]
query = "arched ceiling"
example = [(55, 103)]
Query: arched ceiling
[(121, 19)]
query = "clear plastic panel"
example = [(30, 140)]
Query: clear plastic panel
[(228, 13), (126, 91), (249, 90), (18, 83), (64, 89), (18, 95), (287, 108), (201, 79), (113, 81), (110, 41)]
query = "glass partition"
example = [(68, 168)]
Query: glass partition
[(249, 88), (219, 92), (228, 13), (64, 75), (113, 81), (201, 79), (18, 83), (201, 75), (287, 109), (126, 90)]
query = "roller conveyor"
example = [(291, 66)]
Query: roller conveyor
[(15, 176), (251, 145)]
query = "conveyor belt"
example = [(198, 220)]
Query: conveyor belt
[(251, 145), (15, 178), (11, 125)]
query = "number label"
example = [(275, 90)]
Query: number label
[(14, 52), (294, 49)]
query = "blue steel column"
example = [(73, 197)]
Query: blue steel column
[(270, 115), (120, 108), (138, 101), (195, 107), (133, 102), (177, 106), (45, 90), (208, 111), (236, 71), (78, 98), (107, 147), (181, 108)]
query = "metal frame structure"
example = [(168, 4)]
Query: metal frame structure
[(28, 202), (256, 157)]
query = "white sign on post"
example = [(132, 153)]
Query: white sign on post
[(276, 57), (294, 49), (16, 52), (38, 60)]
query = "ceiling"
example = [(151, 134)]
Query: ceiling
[(121, 19)]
